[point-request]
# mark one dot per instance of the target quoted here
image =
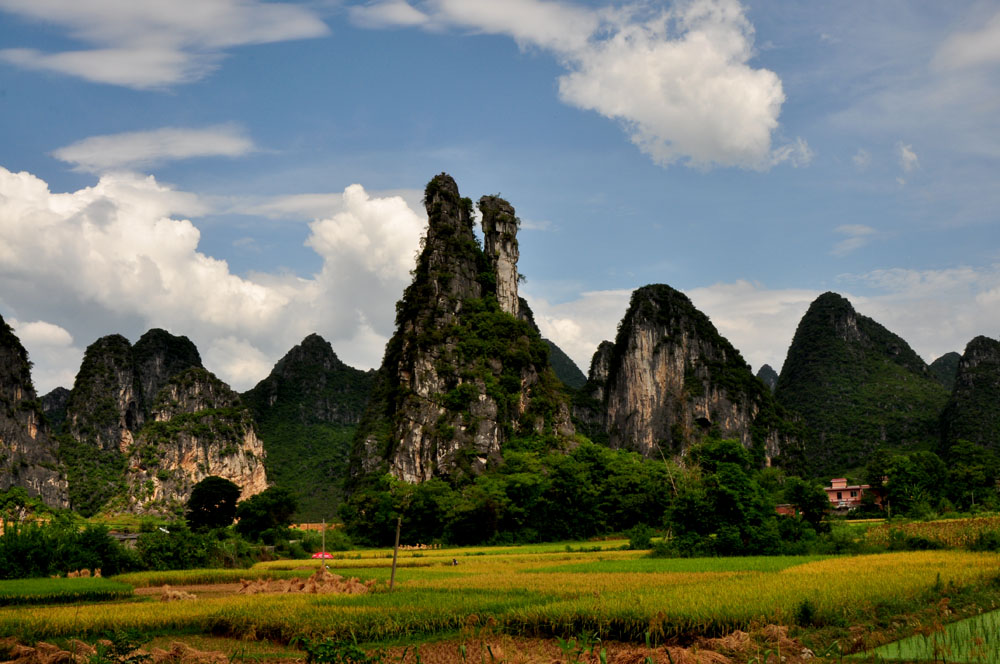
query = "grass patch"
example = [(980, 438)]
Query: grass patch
[(62, 591)]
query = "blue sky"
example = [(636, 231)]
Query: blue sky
[(248, 172)]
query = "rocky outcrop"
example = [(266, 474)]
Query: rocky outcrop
[(307, 411), (105, 405), (198, 428), (600, 367), (670, 379), (945, 368), (972, 412), (500, 226), (768, 376), (461, 375), (158, 356), (27, 451), (857, 386)]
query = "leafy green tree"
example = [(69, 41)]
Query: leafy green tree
[(212, 503), (913, 482), (811, 501), (267, 515), (972, 474), (724, 511), (173, 546)]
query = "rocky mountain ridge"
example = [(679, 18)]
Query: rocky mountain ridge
[(145, 423)]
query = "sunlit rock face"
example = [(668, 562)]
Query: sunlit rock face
[(198, 428), (670, 379)]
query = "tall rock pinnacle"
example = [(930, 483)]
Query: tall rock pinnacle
[(463, 374), (500, 245)]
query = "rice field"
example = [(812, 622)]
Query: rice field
[(974, 639), (534, 591), (62, 590), (956, 533)]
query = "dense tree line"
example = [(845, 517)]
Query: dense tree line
[(719, 503), (38, 541)]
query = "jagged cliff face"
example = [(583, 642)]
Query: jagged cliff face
[(104, 406), (670, 379), (143, 421), (27, 451), (199, 428), (971, 413), (307, 411), (857, 386), (464, 373)]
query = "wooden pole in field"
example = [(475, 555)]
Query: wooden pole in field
[(395, 552)]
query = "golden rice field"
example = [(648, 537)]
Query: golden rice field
[(958, 533), (532, 591)]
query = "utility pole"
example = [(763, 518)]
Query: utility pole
[(395, 552)]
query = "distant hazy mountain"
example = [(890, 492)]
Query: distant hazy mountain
[(945, 368), (768, 376)]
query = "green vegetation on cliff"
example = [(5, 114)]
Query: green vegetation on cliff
[(945, 368), (307, 411), (460, 377), (858, 387), (973, 411), (565, 368)]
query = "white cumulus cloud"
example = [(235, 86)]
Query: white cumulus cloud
[(155, 43), (119, 258), (679, 80), (130, 150)]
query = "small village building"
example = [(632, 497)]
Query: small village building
[(846, 497)]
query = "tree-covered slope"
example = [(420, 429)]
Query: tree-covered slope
[(565, 368), (307, 410), (945, 368), (973, 411), (857, 386)]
